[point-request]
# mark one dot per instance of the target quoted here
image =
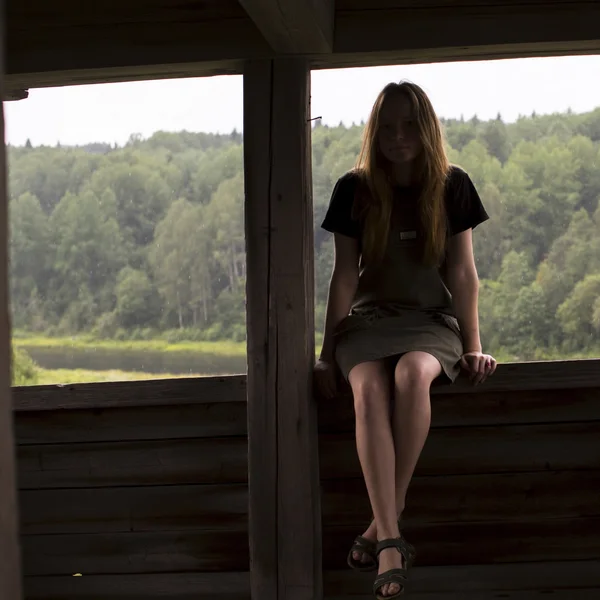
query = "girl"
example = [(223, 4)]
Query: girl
[(402, 308)]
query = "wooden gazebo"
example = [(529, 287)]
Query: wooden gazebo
[(243, 486)]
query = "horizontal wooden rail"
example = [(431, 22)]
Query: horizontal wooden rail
[(509, 377), (123, 394)]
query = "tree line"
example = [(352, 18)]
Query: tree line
[(147, 239)]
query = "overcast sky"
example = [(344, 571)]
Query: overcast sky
[(111, 112)]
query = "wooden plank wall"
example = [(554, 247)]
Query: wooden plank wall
[(150, 501), (146, 501), (504, 503)]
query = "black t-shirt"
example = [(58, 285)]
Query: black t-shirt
[(464, 208)]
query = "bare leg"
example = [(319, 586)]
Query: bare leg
[(375, 444), (413, 376)]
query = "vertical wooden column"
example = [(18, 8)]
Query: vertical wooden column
[(10, 577), (285, 508)]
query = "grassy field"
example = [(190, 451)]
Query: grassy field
[(43, 376), (66, 376), (219, 348)]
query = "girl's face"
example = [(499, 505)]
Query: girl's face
[(398, 134)]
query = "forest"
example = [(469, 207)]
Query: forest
[(145, 241)]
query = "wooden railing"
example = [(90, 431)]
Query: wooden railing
[(142, 489)]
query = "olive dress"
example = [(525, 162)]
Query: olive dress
[(401, 305)]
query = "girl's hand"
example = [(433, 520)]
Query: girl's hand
[(325, 379), (480, 366)]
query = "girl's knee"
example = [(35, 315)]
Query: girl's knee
[(371, 392), (416, 371)]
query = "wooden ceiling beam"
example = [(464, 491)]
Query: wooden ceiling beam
[(44, 54), (41, 56), (386, 30), (469, 32), (293, 26)]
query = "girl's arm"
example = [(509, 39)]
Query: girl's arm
[(342, 287), (463, 282)]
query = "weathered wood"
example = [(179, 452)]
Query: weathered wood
[(121, 394), (128, 509), (229, 419), (151, 552), (262, 334), (111, 464), (10, 576), (499, 497), (416, 28), (551, 376), (463, 451), (502, 578), (445, 544), (483, 408), (168, 586), (123, 424), (293, 27), (576, 594), (561, 379), (127, 10), (282, 428), (222, 507), (542, 375), (177, 70), (169, 41), (489, 581), (343, 5), (37, 44)]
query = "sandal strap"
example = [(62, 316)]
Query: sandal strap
[(398, 543), (391, 574), (398, 576), (367, 548), (364, 543)]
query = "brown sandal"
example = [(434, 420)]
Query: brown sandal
[(399, 575), (366, 546)]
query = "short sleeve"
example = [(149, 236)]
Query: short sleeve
[(338, 218), (464, 206)]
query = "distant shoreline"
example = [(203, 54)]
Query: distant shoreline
[(83, 342)]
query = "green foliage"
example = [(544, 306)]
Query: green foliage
[(577, 313), (24, 370), (147, 241), (138, 304)]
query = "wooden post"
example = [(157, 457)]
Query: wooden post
[(10, 578), (284, 490)]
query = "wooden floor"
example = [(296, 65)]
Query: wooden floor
[(139, 491)]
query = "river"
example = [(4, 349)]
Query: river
[(140, 360)]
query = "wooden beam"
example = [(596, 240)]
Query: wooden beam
[(150, 586), (293, 27), (42, 49), (14, 95), (111, 74), (452, 27), (10, 559), (510, 377), (42, 54), (572, 579), (127, 394), (284, 493)]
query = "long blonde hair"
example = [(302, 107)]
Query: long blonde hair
[(431, 172)]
